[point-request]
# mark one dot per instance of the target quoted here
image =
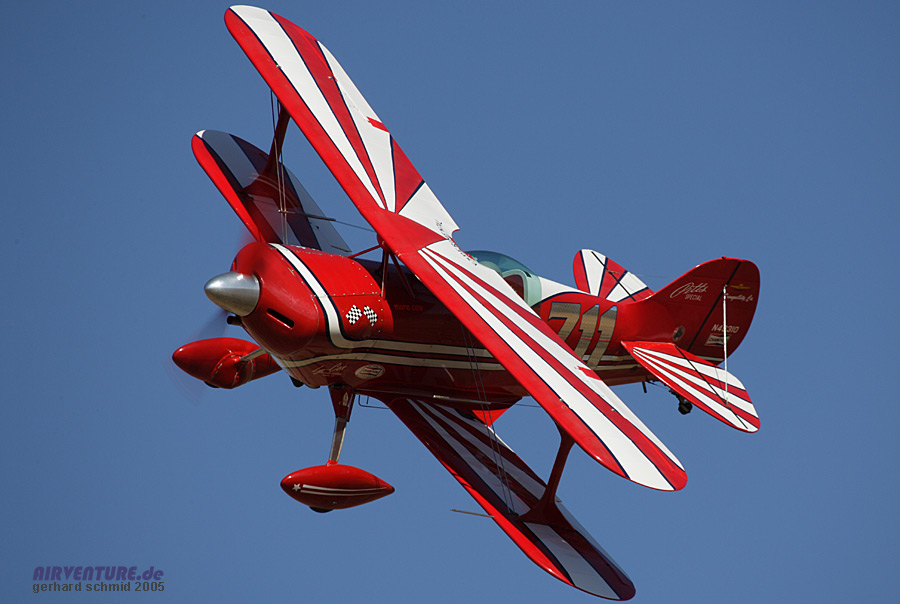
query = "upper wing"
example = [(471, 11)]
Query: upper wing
[(274, 208), (393, 198), (338, 122), (507, 489)]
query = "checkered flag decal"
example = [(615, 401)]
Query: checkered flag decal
[(370, 314), (355, 314)]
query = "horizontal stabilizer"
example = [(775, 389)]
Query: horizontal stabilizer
[(507, 488), (708, 387), (274, 207)]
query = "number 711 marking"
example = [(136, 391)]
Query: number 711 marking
[(589, 323)]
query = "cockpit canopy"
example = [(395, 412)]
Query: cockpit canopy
[(521, 278)]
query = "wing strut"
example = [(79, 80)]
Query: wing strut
[(284, 118), (403, 279), (342, 401), (275, 166), (545, 511)]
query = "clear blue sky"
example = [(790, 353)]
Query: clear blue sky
[(661, 134)]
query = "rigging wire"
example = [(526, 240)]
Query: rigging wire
[(279, 169), (281, 180), (496, 447), (725, 336)]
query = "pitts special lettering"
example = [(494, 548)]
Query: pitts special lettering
[(691, 291)]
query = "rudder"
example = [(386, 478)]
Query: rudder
[(712, 306)]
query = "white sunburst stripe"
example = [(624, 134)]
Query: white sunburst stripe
[(720, 396), (564, 356), (734, 398), (583, 532), (281, 48), (714, 405), (509, 467), (581, 573), (687, 371), (634, 462), (627, 286), (594, 269), (718, 374), (425, 208), (490, 479), (709, 371), (691, 385), (376, 140), (737, 397)]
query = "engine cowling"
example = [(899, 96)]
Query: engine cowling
[(309, 299)]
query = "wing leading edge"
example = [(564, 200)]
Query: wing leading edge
[(395, 200), (506, 488)]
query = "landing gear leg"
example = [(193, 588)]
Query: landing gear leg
[(342, 400)]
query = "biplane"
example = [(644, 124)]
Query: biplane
[(448, 340)]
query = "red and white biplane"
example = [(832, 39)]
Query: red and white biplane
[(449, 340)]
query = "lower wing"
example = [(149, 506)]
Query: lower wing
[(507, 489), (268, 199)]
